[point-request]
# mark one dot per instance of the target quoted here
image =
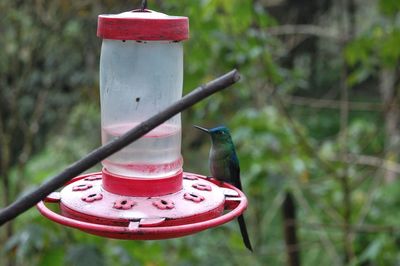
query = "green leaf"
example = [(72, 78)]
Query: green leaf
[(84, 255), (373, 250), (389, 50), (389, 7), (52, 257)]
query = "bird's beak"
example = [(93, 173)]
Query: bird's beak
[(202, 128)]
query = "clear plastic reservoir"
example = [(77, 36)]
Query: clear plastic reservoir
[(137, 80)]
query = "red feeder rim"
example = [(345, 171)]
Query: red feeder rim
[(144, 187), (143, 25), (207, 210)]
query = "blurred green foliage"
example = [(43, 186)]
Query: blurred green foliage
[(50, 117)]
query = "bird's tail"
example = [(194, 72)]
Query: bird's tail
[(243, 231)]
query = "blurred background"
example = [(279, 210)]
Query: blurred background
[(315, 119)]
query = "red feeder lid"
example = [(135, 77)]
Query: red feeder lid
[(146, 25)]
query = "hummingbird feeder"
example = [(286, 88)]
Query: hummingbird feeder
[(142, 191)]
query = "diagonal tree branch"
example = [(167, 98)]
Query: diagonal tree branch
[(29, 200)]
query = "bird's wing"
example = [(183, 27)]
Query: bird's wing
[(234, 169)]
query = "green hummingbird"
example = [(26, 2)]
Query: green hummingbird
[(224, 166)]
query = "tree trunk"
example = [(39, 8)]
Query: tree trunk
[(290, 231), (387, 82)]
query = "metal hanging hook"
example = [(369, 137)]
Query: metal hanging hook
[(143, 6)]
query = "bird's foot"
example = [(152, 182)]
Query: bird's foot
[(215, 181)]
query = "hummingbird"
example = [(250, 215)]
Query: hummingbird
[(224, 166)]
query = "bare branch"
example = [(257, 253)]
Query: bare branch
[(365, 228), (332, 104), (369, 161), (306, 29)]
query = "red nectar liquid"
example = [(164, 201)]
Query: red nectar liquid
[(156, 154)]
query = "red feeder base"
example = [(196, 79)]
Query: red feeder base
[(200, 203)]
